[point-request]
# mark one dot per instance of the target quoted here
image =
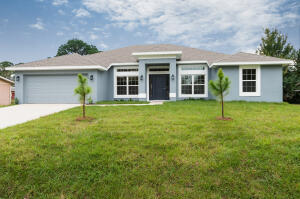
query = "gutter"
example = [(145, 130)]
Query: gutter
[(41, 68), (252, 63)]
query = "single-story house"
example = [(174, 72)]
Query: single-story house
[(5, 91), (150, 72)]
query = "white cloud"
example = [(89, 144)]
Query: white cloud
[(59, 33), (93, 36), (61, 12), (59, 2), (103, 46), (65, 28), (81, 12), (200, 23), (39, 25)]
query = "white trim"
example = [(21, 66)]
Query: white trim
[(157, 55), (123, 64), (152, 73), (172, 95), (142, 95), (124, 74), (193, 72), (30, 68), (192, 62), (251, 63), (8, 80), (258, 81)]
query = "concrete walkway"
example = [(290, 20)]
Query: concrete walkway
[(12, 115), (152, 103)]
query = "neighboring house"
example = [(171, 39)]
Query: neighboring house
[(5, 91), (150, 72)]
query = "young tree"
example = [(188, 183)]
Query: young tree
[(220, 87), (76, 46), (82, 90)]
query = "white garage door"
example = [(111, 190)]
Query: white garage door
[(50, 89)]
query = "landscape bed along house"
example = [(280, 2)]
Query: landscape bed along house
[(150, 72)]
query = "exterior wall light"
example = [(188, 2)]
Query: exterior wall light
[(172, 76), (18, 78), (91, 77), (141, 77)]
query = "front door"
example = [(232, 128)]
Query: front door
[(159, 87)]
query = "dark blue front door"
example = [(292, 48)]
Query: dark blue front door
[(159, 87)]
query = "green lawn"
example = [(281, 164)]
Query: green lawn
[(176, 150), (122, 102)]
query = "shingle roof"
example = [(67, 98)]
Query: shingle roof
[(124, 55), (6, 80), (65, 60), (249, 57)]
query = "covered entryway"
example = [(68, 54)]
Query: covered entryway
[(50, 89), (159, 86)]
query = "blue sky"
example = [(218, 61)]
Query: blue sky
[(33, 29)]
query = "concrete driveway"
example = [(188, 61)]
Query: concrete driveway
[(18, 114)]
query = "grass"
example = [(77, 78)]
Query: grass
[(2, 106), (176, 150), (122, 102)]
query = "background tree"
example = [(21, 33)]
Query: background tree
[(274, 44), (82, 90), (291, 80), (3, 72), (76, 46), (220, 87)]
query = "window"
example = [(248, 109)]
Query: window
[(126, 82), (192, 84), (186, 84), (200, 67), (127, 69), (133, 85), (249, 80), (158, 69), (122, 86), (192, 81)]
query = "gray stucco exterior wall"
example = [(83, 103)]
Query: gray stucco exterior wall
[(103, 81), (271, 83)]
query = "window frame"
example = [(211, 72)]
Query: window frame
[(193, 73), (126, 74), (258, 81)]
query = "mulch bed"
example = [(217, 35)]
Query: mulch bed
[(85, 119), (225, 118)]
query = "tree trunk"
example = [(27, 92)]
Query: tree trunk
[(222, 106), (222, 102), (83, 107)]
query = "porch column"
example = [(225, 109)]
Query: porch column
[(173, 85), (142, 81)]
